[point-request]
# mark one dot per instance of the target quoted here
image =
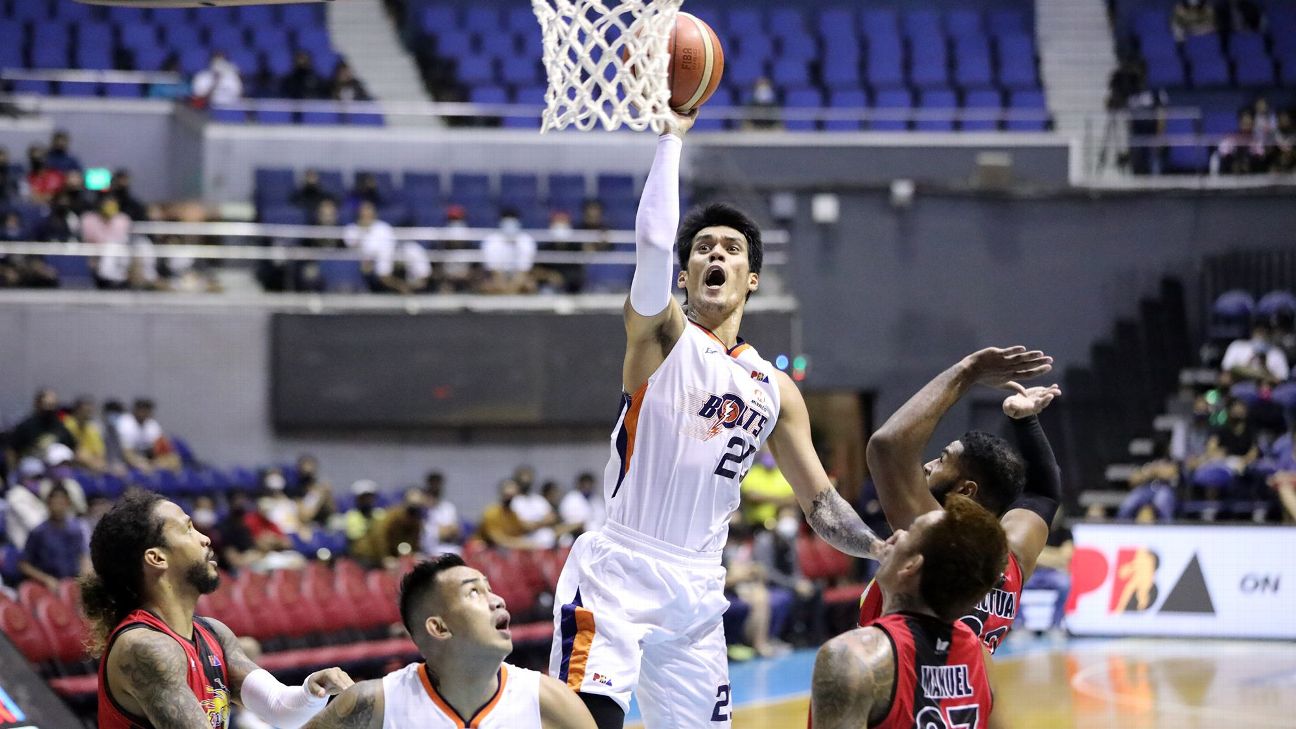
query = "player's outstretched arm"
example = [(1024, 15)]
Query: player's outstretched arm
[(653, 323), (253, 688), (1028, 519), (359, 707), (826, 511), (854, 675), (561, 708), (895, 451), (146, 673)]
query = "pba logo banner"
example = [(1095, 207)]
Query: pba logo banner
[(1179, 580)]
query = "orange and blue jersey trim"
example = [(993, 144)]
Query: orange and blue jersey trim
[(733, 351), (478, 716), (577, 629)]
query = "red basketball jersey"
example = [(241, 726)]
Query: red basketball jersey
[(206, 675), (940, 678), (991, 619)]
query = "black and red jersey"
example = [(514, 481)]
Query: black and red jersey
[(206, 675), (991, 619), (940, 678)]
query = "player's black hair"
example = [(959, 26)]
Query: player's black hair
[(117, 546), (720, 214), (418, 583), (996, 467)]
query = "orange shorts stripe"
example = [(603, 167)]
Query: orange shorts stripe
[(580, 648)]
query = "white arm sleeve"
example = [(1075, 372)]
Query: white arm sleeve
[(286, 707), (655, 226)]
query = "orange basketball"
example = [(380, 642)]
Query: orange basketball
[(697, 63)]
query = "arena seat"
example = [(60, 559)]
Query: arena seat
[(21, 628)]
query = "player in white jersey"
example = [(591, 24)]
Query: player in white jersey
[(462, 630), (639, 603)]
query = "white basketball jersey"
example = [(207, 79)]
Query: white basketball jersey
[(411, 702), (685, 440)]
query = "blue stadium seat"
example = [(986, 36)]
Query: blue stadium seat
[(438, 18), (343, 276), (93, 31), (283, 214), (137, 35), (1165, 71), (615, 187), (183, 38), (888, 105), (215, 17), (482, 19), (320, 117), (919, 22), (29, 11), (972, 62), (499, 45), (194, 60), (744, 70), (422, 189), (226, 37), (124, 91), (465, 185), (298, 15), (269, 38), (365, 119), (841, 65), (982, 101), (476, 69), (50, 34), (480, 212), (455, 45), (488, 95), (803, 99), (149, 59), (1028, 101), (78, 88), (273, 185), (520, 20), (880, 23), (785, 21), (569, 191), (885, 67), (745, 21), (833, 21), (1208, 71), (790, 73), (49, 57), (798, 45), (930, 62), (722, 100), (517, 187), (756, 45), (1017, 62), (278, 62), (936, 110), (964, 23), (1250, 60), (846, 99), (1185, 158), (97, 58), (229, 116), (73, 271), (519, 70)]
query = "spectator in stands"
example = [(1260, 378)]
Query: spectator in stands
[(534, 509), (13, 229), (313, 494), (56, 549), (571, 275), (1256, 359), (80, 421), (582, 507), (11, 179), (1234, 443), (121, 189), (61, 224), (1283, 481), (374, 238), (745, 585), (796, 604), (26, 499), (1153, 486), (250, 540), (454, 277), (1191, 18), (22, 270), (218, 84), (112, 410), (402, 269), (41, 429), (400, 531), (1239, 16), (1148, 119), (441, 528), (178, 88), (344, 86), (144, 443), (43, 181), (501, 526), (1240, 153), (279, 508), (362, 522), (509, 255), (125, 263), (60, 156), (311, 194), (1285, 143), (765, 491), (302, 82), (79, 198), (366, 190), (763, 108)]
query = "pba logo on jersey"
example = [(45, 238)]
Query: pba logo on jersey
[(601, 679), (760, 376), (721, 413), (1138, 581)]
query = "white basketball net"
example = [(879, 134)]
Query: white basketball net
[(589, 84)]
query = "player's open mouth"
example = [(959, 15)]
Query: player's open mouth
[(714, 277), (502, 622)]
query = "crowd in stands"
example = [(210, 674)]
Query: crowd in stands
[(1264, 141), (66, 462), (1232, 457), (46, 200)]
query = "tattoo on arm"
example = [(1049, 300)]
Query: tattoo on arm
[(237, 664), (359, 707), (153, 668), (837, 523)]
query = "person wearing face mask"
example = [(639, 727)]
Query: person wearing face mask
[(509, 256), (763, 107), (110, 228), (361, 523), (400, 531), (796, 604), (37, 477), (42, 428), (456, 277), (61, 225), (43, 181), (281, 510), (500, 524), (1192, 18)]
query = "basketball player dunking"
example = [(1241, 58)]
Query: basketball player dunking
[(979, 465), (918, 665), (462, 630), (639, 603), (163, 667)]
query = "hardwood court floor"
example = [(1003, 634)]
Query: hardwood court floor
[(1083, 684)]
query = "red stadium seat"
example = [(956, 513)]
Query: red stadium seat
[(222, 606), (65, 633), (303, 617), (76, 689), (32, 593), (336, 609), (387, 586), (69, 591), (17, 624), (551, 564)]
